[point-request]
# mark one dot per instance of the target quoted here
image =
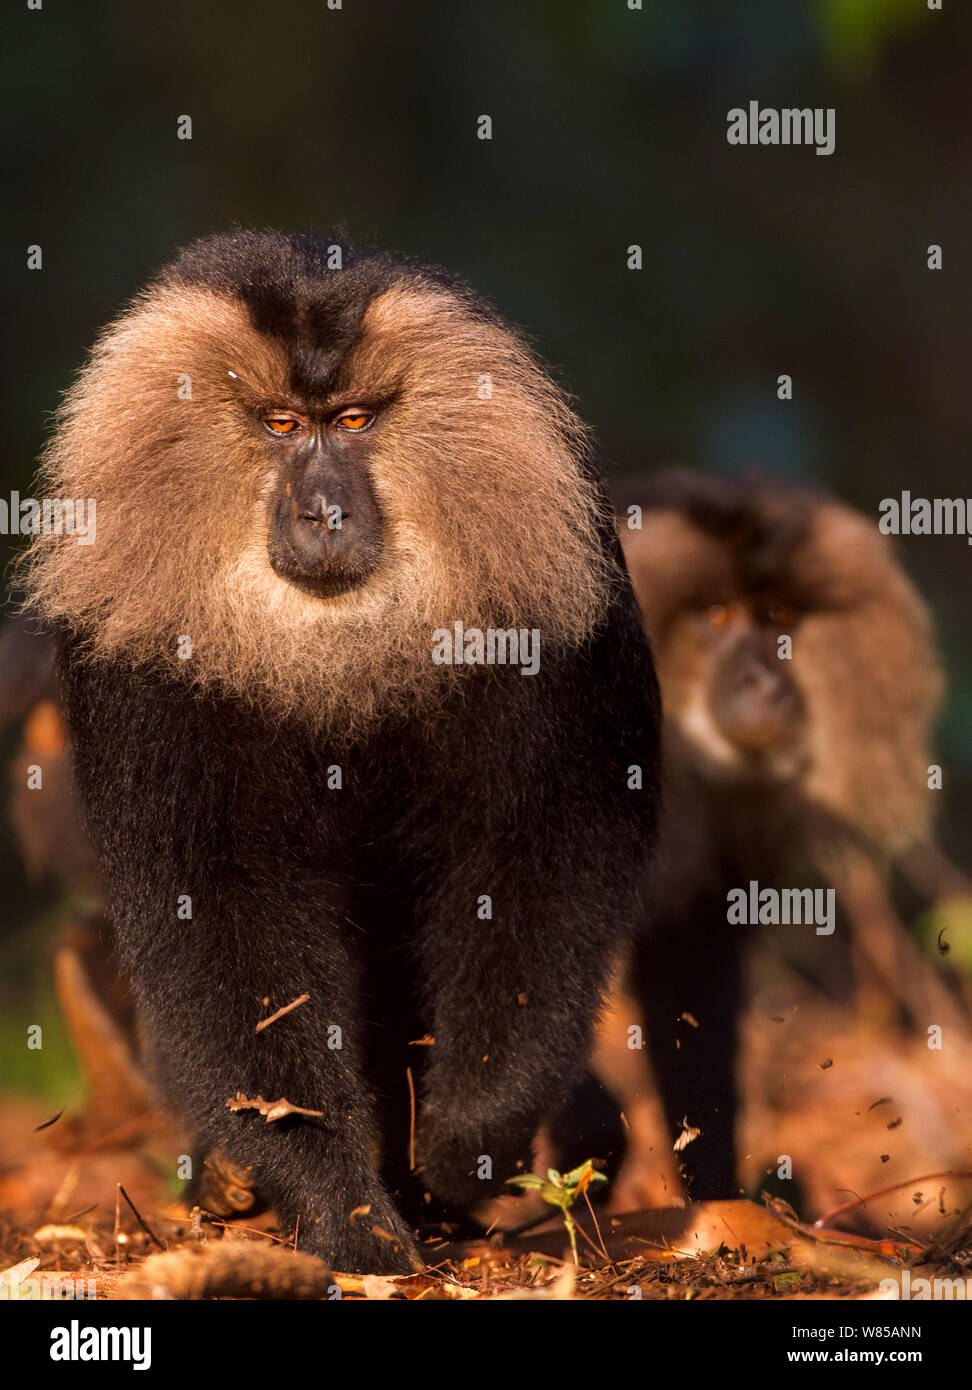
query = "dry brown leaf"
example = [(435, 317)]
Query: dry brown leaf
[(687, 1135), (17, 1273), (51, 1232), (270, 1109)]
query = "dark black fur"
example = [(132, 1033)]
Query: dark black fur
[(366, 897), (291, 294)]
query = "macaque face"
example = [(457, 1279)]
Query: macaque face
[(325, 527), (726, 610), (839, 715), (728, 685), (320, 485)]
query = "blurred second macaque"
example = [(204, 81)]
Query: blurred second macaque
[(799, 680)]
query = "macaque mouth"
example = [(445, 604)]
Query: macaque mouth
[(340, 518), (323, 563), (324, 584), (326, 541), (758, 731), (775, 764), (742, 756)]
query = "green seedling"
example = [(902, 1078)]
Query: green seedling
[(561, 1190)]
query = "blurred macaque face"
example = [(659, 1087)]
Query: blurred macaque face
[(727, 681), (726, 618), (792, 649)]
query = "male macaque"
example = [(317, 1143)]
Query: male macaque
[(298, 483), (785, 759)]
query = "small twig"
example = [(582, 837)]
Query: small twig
[(117, 1221), (510, 1232), (411, 1120), (952, 1236), (252, 1230), (618, 1278), (883, 1192), (597, 1227), (296, 1232), (66, 1188), (266, 1022), (138, 1217), (579, 1227), (76, 1215)]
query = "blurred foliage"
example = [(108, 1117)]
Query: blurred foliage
[(49, 1072), (945, 932), (854, 31)]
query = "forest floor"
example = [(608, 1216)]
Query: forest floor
[(876, 1126)]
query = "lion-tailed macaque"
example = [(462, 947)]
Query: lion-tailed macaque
[(799, 680), (355, 682)]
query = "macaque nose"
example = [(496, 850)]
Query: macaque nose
[(755, 702), (317, 528), (319, 512), (325, 533), (761, 683), (325, 539)]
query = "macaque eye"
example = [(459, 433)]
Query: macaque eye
[(354, 419), (781, 614), (725, 614), (280, 424)]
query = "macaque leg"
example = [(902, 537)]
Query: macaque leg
[(689, 980), (503, 1057), (319, 1166)]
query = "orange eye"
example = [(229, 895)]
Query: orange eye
[(782, 614), (354, 419), (280, 424), (726, 614)]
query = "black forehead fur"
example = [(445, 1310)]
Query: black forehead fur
[(762, 519), (292, 295)]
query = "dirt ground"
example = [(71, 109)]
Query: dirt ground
[(875, 1123)]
